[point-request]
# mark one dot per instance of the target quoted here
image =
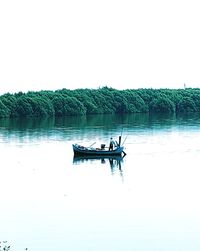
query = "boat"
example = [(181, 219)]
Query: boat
[(82, 150), (102, 151)]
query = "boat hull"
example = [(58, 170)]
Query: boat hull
[(88, 151)]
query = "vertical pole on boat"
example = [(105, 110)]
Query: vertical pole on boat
[(120, 138)]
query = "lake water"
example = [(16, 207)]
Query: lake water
[(149, 200)]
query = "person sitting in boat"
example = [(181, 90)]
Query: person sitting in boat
[(112, 144)]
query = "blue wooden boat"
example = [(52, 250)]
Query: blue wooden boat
[(116, 150), (82, 150)]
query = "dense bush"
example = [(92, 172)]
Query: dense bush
[(161, 105), (99, 101), (4, 111)]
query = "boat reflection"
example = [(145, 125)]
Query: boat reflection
[(115, 162)]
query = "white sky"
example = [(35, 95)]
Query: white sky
[(54, 44)]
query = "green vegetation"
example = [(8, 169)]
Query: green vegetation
[(99, 101)]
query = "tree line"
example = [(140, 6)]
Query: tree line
[(104, 100)]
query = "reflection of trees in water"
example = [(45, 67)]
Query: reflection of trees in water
[(26, 128), (97, 127), (21, 124), (102, 122)]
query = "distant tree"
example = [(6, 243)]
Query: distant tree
[(120, 102), (42, 106), (135, 102), (58, 103), (73, 107), (9, 101), (162, 105), (4, 111), (65, 105), (22, 107), (186, 104)]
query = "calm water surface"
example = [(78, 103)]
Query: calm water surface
[(149, 200)]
